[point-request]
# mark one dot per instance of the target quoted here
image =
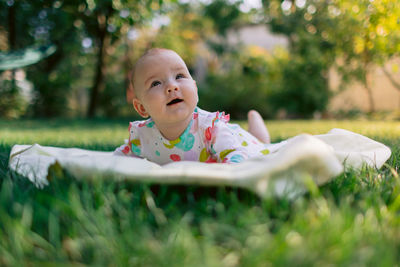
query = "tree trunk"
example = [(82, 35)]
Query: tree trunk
[(369, 93), (12, 38), (391, 79), (98, 83), (370, 99)]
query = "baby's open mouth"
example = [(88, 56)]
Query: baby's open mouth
[(174, 101)]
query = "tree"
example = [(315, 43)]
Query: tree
[(40, 23), (105, 22), (225, 15), (304, 88), (9, 92), (353, 35), (67, 24), (367, 34), (19, 18)]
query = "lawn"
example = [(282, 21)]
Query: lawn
[(353, 220)]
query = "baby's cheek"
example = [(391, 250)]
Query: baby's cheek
[(153, 102)]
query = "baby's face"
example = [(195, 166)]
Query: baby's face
[(164, 88)]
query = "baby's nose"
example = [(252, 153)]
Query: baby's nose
[(172, 86), (173, 89)]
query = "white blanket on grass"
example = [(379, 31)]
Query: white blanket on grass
[(291, 168)]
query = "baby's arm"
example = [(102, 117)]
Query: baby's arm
[(225, 144), (132, 147)]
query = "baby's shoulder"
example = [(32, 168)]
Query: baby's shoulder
[(211, 119), (135, 127)]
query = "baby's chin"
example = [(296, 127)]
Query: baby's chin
[(178, 115)]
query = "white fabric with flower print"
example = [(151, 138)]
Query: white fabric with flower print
[(208, 138), (284, 172)]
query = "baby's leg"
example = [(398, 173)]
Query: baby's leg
[(257, 126)]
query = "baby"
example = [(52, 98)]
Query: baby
[(177, 129)]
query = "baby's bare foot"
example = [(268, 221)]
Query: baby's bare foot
[(257, 126)]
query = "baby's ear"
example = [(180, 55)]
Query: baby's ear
[(140, 108), (130, 91)]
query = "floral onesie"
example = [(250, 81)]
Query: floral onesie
[(208, 138)]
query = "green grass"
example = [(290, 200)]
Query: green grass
[(354, 220)]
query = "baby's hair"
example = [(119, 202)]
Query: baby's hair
[(155, 50), (149, 52)]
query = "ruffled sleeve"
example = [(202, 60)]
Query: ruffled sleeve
[(222, 140), (132, 146)]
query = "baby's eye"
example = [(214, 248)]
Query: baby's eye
[(155, 83), (180, 76)]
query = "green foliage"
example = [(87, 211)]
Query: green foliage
[(318, 34), (304, 86), (113, 98), (247, 83), (353, 220), (303, 89), (52, 89), (269, 83), (41, 23), (224, 14), (377, 27), (106, 23), (377, 39), (67, 24), (352, 35), (185, 32)]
